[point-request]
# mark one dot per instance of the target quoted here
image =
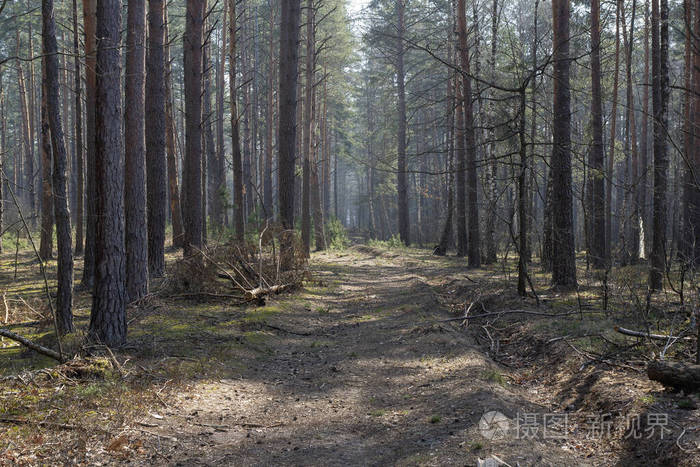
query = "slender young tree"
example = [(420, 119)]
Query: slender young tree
[(239, 206), (108, 316), (64, 293), (596, 158), (286, 141), (135, 153), (78, 134), (563, 257), (156, 168), (46, 237), (170, 144), (307, 137), (192, 206), (402, 185), (89, 25)]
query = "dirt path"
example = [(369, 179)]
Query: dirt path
[(356, 371)]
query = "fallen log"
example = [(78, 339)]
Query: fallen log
[(32, 345), (260, 292), (677, 375), (658, 337)]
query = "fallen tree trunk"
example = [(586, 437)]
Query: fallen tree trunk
[(675, 374), (32, 345), (658, 337), (260, 292)]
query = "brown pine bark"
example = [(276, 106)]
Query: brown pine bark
[(401, 183), (89, 25), (192, 206), (239, 206), (269, 119), (78, 135), (46, 237), (218, 174), (286, 140), (135, 153), (695, 128), (108, 317), (613, 134), (596, 158), (660, 92), (563, 258), (307, 148), (64, 275), (170, 143), (210, 166), (156, 168)]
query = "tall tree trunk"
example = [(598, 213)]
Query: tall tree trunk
[(79, 163), (308, 128), (644, 145), (192, 206), (108, 317), (613, 133), (317, 210), (401, 185), (239, 206), (135, 153), (89, 24), (659, 50), (446, 235), (596, 158), (46, 237), (269, 119), (64, 275), (26, 157), (473, 248), (217, 172), (563, 258), (695, 129), (630, 222), (170, 143), (286, 140), (156, 168), (492, 167)]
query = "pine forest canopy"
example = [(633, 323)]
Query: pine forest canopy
[(153, 145)]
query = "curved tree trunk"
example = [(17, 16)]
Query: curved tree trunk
[(64, 294)]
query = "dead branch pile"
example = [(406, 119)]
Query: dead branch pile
[(234, 270)]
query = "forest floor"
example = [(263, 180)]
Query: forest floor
[(359, 367)]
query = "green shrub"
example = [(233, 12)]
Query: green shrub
[(337, 235)]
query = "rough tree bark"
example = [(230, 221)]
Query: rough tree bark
[(46, 237), (286, 139), (239, 207), (135, 153), (108, 317), (659, 51), (89, 25), (192, 206), (170, 142), (563, 258), (156, 168), (401, 185), (64, 275), (596, 157), (79, 163)]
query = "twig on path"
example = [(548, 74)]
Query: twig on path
[(661, 337)]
